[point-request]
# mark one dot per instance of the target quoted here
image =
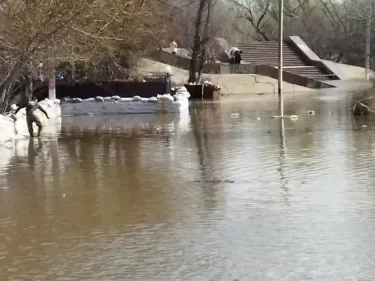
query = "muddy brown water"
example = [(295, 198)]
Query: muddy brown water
[(207, 196)]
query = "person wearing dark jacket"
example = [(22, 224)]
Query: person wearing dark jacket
[(31, 117)]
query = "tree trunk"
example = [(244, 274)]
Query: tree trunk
[(2, 99), (7, 91), (29, 86), (205, 39), (197, 43), (201, 62)]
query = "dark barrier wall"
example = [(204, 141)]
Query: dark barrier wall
[(86, 90)]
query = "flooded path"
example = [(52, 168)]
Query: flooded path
[(208, 196)]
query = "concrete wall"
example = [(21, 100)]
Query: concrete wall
[(116, 105), (346, 71), (303, 48), (181, 62), (116, 123), (231, 83), (310, 56)]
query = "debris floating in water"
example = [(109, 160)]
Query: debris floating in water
[(311, 112), (293, 117), (214, 181)]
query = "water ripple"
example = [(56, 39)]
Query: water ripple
[(204, 197)]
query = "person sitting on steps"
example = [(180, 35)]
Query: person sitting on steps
[(31, 117)]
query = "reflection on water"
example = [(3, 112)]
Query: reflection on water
[(209, 196)]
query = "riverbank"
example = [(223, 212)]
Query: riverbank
[(351, 77), (240, 84)]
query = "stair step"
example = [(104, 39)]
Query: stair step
[(266, 53)]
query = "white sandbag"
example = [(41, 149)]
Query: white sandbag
[(165, 97), (77, 100), (153, 99), (126, 99)]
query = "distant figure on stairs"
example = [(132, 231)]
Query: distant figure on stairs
[(235, 55), (173, 47)]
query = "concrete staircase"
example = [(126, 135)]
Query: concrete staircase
[(266, 53), (312, 72), (301, 65)]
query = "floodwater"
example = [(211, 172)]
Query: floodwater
[(208, 196)]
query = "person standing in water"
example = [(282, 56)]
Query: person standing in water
[(31, 117)]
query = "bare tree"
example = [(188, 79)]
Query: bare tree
[(257, 14), (263, 15), (102, 33), (335, 30), (198, 42)]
